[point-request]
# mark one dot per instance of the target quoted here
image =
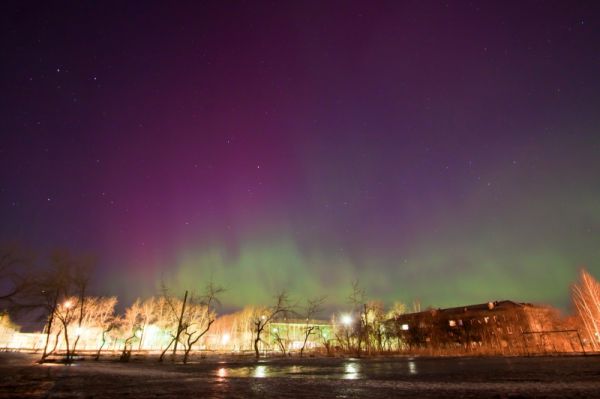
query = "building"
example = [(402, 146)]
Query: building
[(290, 334), (235, 333), (503, 327)]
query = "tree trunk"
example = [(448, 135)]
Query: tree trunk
[(126, 354), (142, 334), (179, 327), (68, 353), (162, 355), (101, 345), (100, 349), (49, 327), (303, 345), (50, 322), (55, 342), (308, 331), (78, 332), (256, 341)]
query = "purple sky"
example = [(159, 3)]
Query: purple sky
[(442, 151)]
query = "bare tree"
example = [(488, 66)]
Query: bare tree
[(130, 326), (586, 297), (15, 268), (176, 311), (313, 307), (375, 325), (200, 317), (281, 341), (66, 314), (149, 308), (397, 309), (105, 319), (326, 340), (395, 329), (80, 280), (263, 316), (50, 290), (47, 292), (358, 301)]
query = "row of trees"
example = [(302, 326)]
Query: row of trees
[(58, 294), (182, 321)]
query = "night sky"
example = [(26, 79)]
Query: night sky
[(445, 152)]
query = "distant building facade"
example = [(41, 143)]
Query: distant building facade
[(291, 334), (237, 334), (504, 327)]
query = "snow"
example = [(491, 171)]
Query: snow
[(548, 377)]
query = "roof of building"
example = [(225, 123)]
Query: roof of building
[(313, 322), (489, 306)]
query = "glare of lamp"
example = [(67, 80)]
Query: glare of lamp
[(225, 339), (346, 319)]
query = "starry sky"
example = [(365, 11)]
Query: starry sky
[(442, 151)]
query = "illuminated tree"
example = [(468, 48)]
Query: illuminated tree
[(343, 329), (312, 308), (130, 327), (326, 340), (52, 291), (586, 297), (199, 317), (104, 319), (358, 301), (397, 309), (80, 277), (375, 317), (173, 322), (150, 311), (264, 315), (394, 329), (66, 314)]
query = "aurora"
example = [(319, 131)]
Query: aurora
[(281, 146)]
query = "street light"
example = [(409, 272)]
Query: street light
[(225, 339), (346, 319)]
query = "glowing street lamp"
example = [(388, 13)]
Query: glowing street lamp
[(225, 339), (346, 320)]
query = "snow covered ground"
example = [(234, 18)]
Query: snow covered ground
[(548, 377)]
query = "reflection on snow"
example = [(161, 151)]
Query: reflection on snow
[(412, 367), (351, 371), (260, 372)]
